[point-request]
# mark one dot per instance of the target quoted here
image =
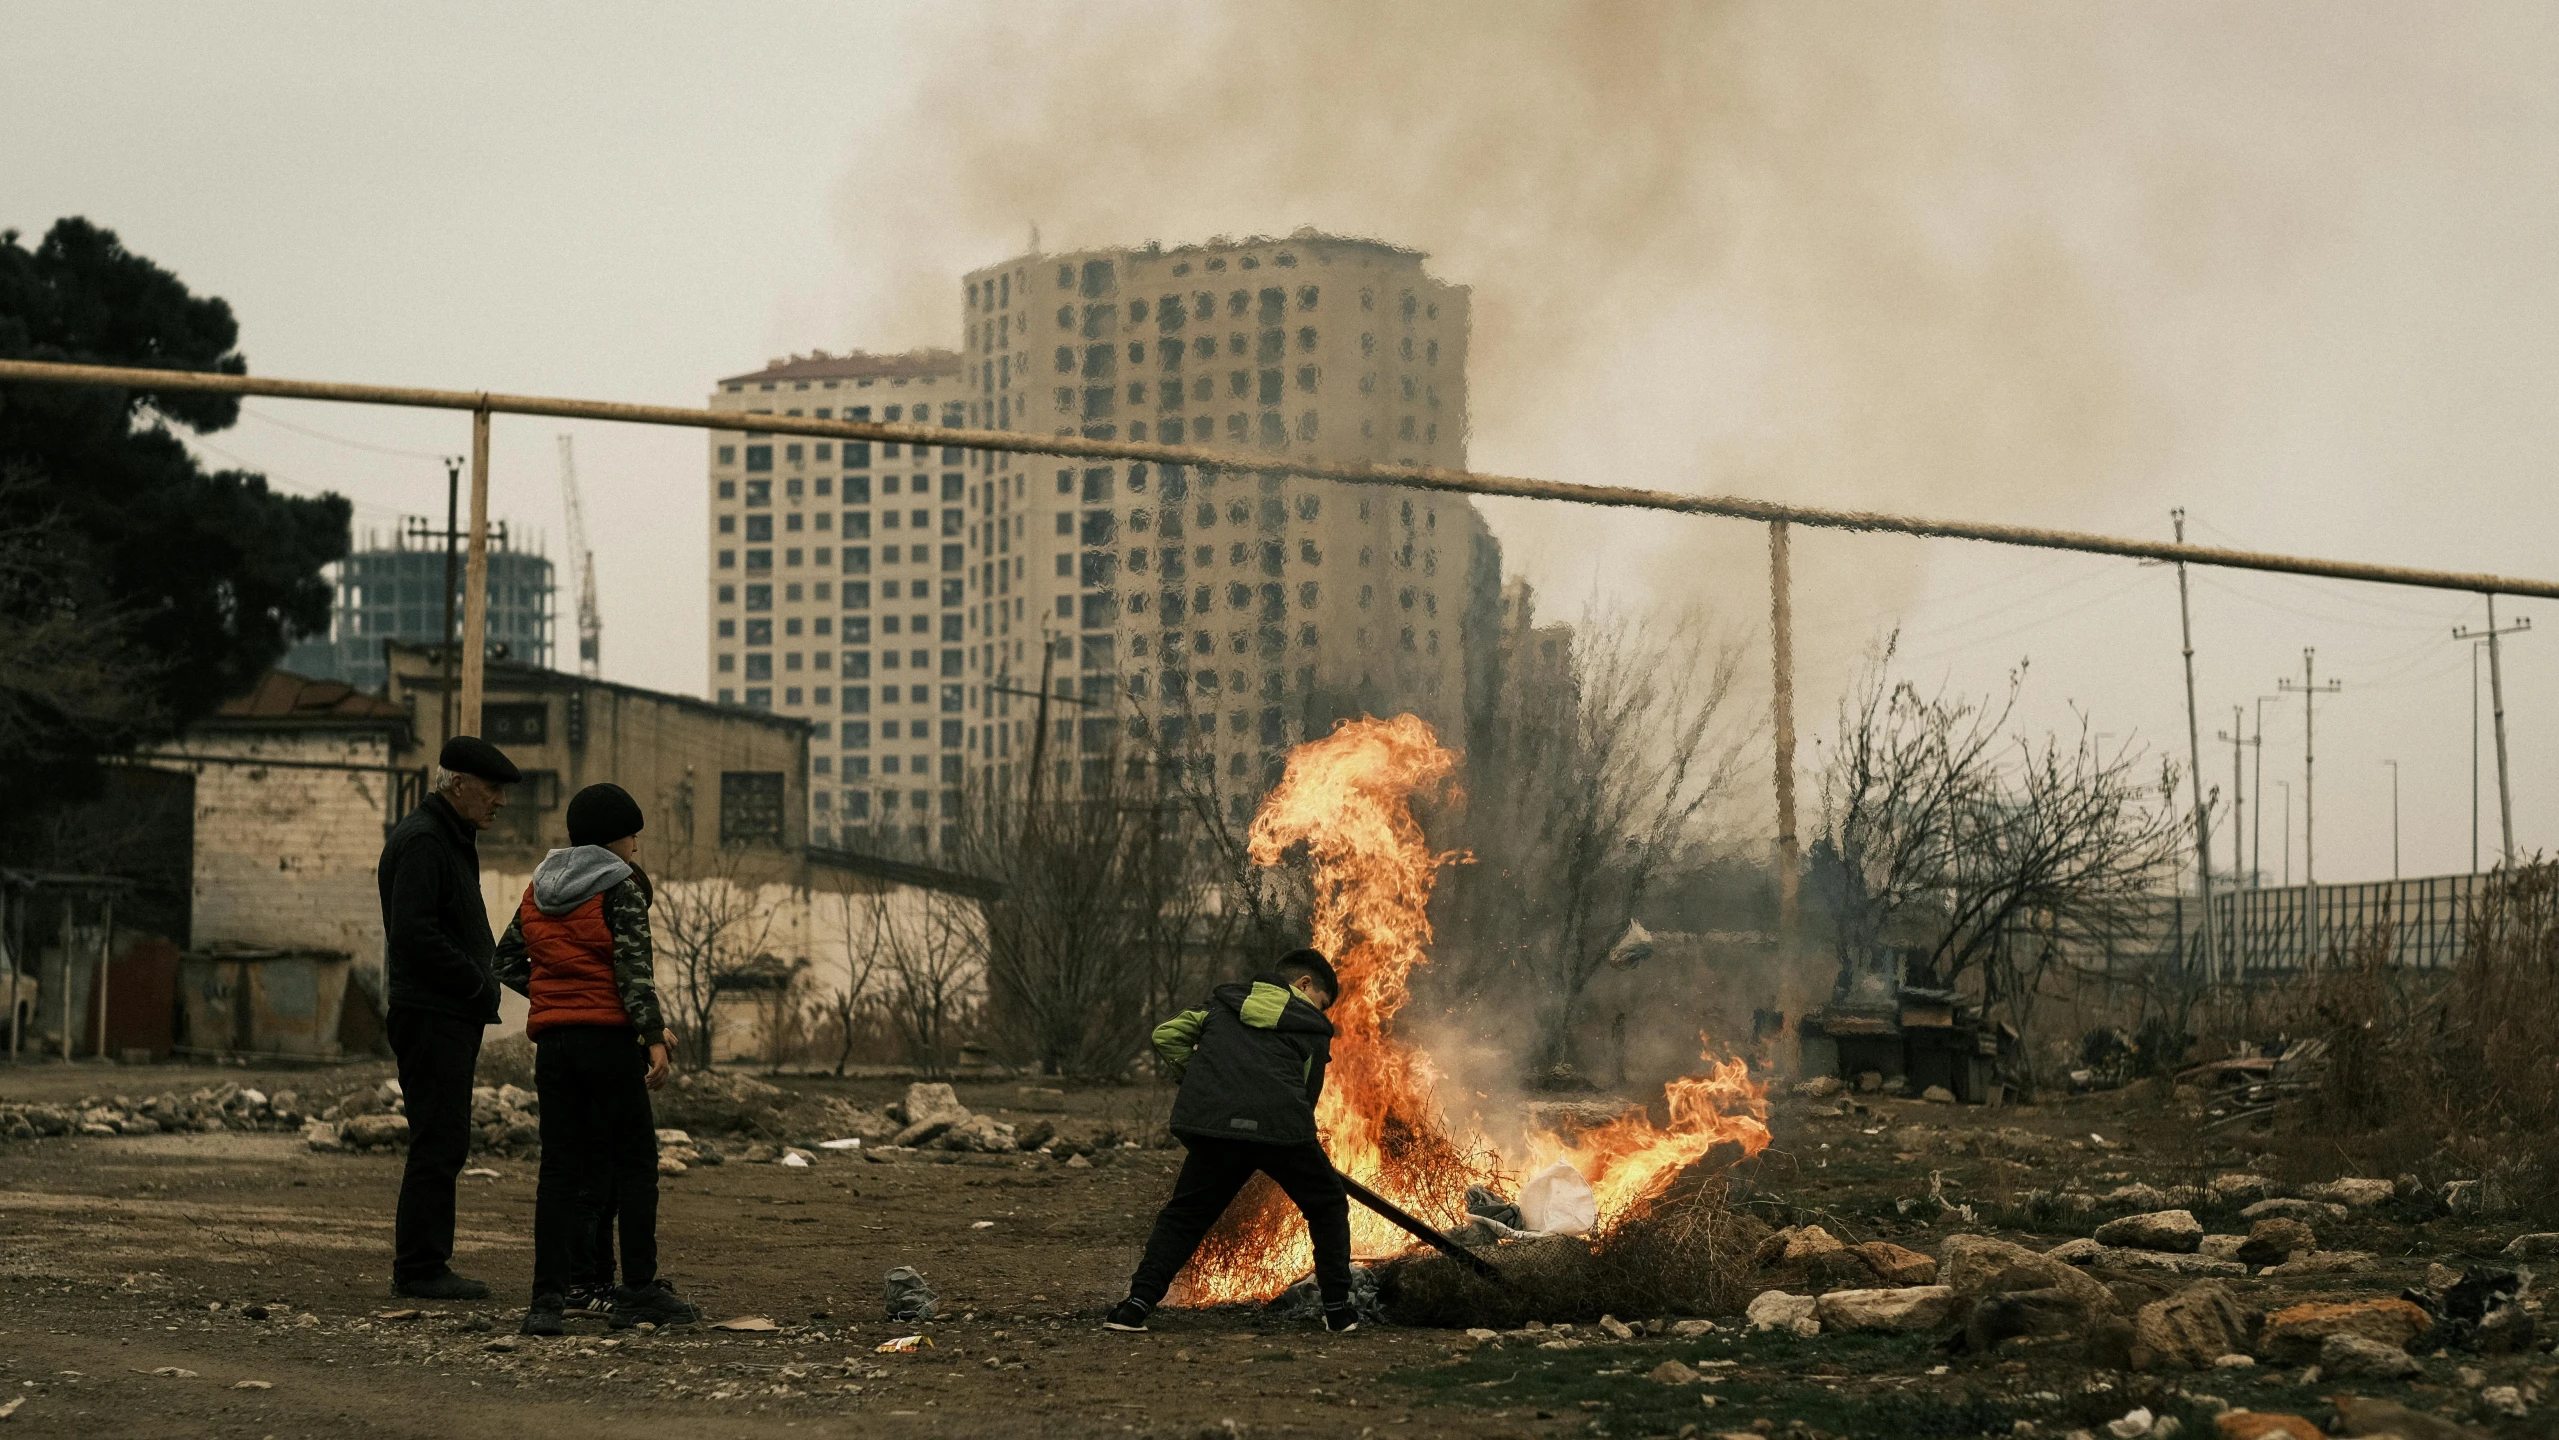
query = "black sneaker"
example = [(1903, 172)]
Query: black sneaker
[(655, 1303), (447, 1286), (1340, 1319), (1129, 1314), (589, 1300), (542, 1317)]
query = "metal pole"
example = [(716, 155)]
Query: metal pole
[(2309, 759), (1781, 644), (1356, 472), (2257, 797), (2195, 761), (475, 582), (2474, 757), (1039, 736), (2286, 787), (452, 535), (2497, 713), (106, 962)]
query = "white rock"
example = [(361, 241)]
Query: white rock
[(2504, 1401), (1691, 1329), (1777, 1310), (253, 1099), (673, 1137), (2132, 1425), (2355, 1194), (2542, 1246), (2170, 1231), (1890, 1312)]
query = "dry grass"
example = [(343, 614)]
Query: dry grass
[(1687, 1256), (2441, 1075)]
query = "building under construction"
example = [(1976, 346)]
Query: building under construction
[(399, 592)]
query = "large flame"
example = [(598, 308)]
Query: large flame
[(1347, 798)]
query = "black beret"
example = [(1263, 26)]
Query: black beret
[(471, 755), (602, 814)]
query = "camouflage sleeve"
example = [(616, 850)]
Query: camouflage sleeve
[(626, 913), (513, 965)]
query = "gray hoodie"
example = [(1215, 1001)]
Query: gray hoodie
[(567, 879)]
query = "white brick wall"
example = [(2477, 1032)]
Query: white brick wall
[(285, 856)]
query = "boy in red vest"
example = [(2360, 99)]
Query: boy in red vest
[(579, 949)]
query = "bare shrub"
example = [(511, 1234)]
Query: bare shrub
[(710, 927), (2443, 1075), (1686, 1256)]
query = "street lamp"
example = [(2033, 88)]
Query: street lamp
[(2394, 817)]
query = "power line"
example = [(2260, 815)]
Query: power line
[(339, 439)]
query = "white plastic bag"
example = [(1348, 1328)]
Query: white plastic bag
[(1558, 1200)]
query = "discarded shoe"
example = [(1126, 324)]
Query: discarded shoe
[(446, 1286), (655, 1303), (1129, 1314)]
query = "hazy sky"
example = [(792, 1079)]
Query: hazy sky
[(2288, 266)]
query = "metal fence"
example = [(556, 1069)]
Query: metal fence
[(2280, 930)]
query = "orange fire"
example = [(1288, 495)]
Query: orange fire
[(1348, 799)]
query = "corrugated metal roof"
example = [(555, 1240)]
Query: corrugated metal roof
[(283, 695)]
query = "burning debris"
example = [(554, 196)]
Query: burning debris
[(1346, 802)]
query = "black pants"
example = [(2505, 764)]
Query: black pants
[(599, 1156), (437, 1055), (1211, 1176)]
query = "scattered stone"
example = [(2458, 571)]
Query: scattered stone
[(2323, 1262), (2136, 1196), (2031, 1316), (2234, 1361), (2352, 1357), (1976, 1264), (2363, 1415), (1808, 1242), (502, 1346), (173, 1372), (669, 1165), (2305, 1211), (1481, 1336), (1820, 1087), (2477, 1197), (2294, 1334), (2274, 1240), (1777, 1310), (2190, 1330), (2265, 1425), (1890, 1312), (2235, 1186), (253, 1385), (323, 1138), (746, 1324), (1671, 1372), (2503, 1402), (2220, 1247), (367, 1131), (978, 1134), (2541, 1246), (930, 1110), (1617, 1329), (1691, 1329), (2175, 1232), (1938, 1095), (1895, 1265), (2132, 1424), (2351, 1193), (1078, 1162)]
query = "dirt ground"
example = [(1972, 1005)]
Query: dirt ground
[(145, 1280)]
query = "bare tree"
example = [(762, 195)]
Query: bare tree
[(850, 1005), (1595, 775), (710, 926), (1947, 838), (931, 950), (1108, 906)]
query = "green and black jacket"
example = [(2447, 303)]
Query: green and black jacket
[(1252, 1064)]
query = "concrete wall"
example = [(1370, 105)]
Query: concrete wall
[(285, 856)]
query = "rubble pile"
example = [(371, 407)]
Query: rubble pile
[(213, 1108), (505, 1120)]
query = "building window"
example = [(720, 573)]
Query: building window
[(728, 664), (759, 529), (759, 457), (759, 664), (728, 560), (750, 806), (759, 597), (728, 629), (759, 697), (759, 559)]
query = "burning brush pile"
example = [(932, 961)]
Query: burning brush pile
[(1641, 1225)]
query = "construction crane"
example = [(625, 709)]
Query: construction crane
[(581, 570)]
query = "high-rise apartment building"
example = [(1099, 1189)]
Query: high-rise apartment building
[(1223, 617), (838, 587), (912, 606)]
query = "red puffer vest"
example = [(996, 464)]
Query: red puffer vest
[(572, 958)]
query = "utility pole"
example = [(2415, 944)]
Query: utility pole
[(2257, 797), (2475, 647), (2497, 707), (1781, 644), (475, 583), (2286, 787), (452, 536), (1039, 737), (2394, 817), (2310, 690), (2195, 758), (2239, 744)]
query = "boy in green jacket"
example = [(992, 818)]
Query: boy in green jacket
[(1252, 1066)]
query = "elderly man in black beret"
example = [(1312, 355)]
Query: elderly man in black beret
[(437, 953)]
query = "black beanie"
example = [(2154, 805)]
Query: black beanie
[(602, 814)]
